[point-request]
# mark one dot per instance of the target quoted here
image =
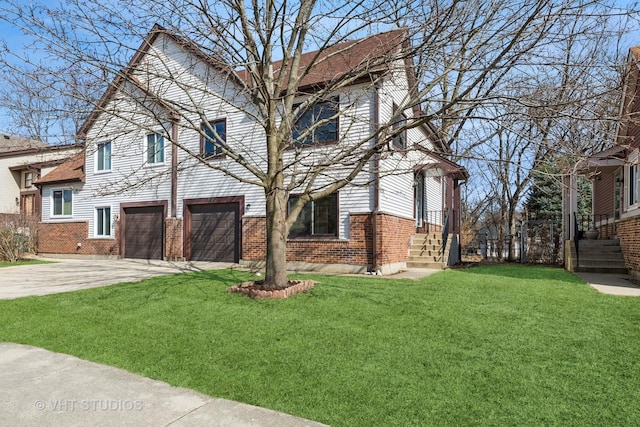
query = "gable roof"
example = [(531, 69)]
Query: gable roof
[(13, 144), (450, 168), (70, 171), (366, 54)]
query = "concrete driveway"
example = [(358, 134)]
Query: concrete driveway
[(65, 275)]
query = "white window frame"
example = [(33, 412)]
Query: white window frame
[(53, 203), (146, 149), (632, 181), (96, 230), (27, 184), (110, 158)]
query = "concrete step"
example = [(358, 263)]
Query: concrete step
[(425, 252), (423, 236), (600, 263), (602, 256), (601, 250), (421, 264), (605, 270), (428, 242), (603, 243), (424, 259)]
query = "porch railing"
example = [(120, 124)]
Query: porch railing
[(444, 221), (435, 221), (596, 222)]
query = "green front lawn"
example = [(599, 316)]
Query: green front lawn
[(23, 262), (495, 345)]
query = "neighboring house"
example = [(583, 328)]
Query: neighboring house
[(22, 162), (616, 182), (135, 194)]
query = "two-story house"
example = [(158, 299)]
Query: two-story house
[(152, 183), (22, 162)]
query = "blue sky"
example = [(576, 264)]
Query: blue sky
[(15, 40)]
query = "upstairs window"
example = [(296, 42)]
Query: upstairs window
[(399, 130), (155, 148), (317, 218), (28, 179), (62, 202), (104, 156), (215, 134), (322, 119), (103, 222)]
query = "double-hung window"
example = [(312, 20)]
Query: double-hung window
[(317, 218), (399, 130), (104, 156), (155, 148), (62, 202), (317, 125), (633, 184), (28, 180), (103, 222), (215, 135)]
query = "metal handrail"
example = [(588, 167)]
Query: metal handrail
[(445, 235)]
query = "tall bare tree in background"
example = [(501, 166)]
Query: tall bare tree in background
[(468, 57)]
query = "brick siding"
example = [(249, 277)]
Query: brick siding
[(64, 237), (174, 246), (628, 231), (394, 235)]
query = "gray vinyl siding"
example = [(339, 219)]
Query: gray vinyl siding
[(197, 84)]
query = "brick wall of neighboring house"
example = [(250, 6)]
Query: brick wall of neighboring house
[(393, 242), (394, 234), (64, 237), (628, 231), (174, 243)]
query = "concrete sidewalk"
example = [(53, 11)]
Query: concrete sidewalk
[(612, 284), (42, 388)]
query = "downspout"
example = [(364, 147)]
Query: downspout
[(376, 179), (174, 165), (175, 118)]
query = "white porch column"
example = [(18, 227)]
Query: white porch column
[(569, 204)]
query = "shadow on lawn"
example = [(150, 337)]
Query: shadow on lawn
[(206, 282), (523, 271)]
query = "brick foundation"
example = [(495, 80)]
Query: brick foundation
[(70, 238), (394, 235)]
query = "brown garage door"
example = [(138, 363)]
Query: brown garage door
[(143, 232), (214, 232)]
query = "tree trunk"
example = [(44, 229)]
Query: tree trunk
[(276, 265)]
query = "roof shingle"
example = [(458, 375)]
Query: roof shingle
[(70, 171)]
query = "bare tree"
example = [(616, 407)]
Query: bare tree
[(463, 52)]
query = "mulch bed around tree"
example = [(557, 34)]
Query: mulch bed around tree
[(256, 289)]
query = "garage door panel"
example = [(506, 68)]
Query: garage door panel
[(214, 232), (143, 232)]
